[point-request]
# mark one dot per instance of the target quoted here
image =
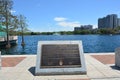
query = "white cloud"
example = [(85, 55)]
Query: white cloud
[(68, 24), (60, 19), (12, 11)]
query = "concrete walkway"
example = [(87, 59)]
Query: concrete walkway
[(99, 67)]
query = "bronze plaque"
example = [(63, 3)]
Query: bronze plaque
[(60, 56)]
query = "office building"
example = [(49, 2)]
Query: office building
[(110, 21)]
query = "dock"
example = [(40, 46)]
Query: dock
[(12, 39)]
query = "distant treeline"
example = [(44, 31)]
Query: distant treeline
[(94, 31)]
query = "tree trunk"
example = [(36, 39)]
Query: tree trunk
[(7, 29), (23, 43), (8, 42)]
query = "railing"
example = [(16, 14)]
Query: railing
[(10, 38)]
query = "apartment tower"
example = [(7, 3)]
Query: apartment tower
[(110, 21)]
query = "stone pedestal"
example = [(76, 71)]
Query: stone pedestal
[(117, 57), (0, 60), (60, 57)]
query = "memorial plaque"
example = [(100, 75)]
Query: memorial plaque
[(65, 55), (60, 57)]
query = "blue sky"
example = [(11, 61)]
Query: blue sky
[(64, 15)]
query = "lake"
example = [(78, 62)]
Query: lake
[(91, 43)]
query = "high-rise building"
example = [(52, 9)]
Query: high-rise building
[(118, 21), (110, 21)]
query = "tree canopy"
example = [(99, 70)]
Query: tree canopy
[(11, 22)]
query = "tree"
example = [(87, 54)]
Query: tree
[(14, 24), (22, 26), (5, 16), (106, 31)]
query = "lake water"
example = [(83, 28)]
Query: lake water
[(91, 43)]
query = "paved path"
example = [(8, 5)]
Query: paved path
[(96, 70), (99, 67)]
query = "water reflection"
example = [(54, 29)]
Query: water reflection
[(14, 50)]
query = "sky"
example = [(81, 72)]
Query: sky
[(64, 15)]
